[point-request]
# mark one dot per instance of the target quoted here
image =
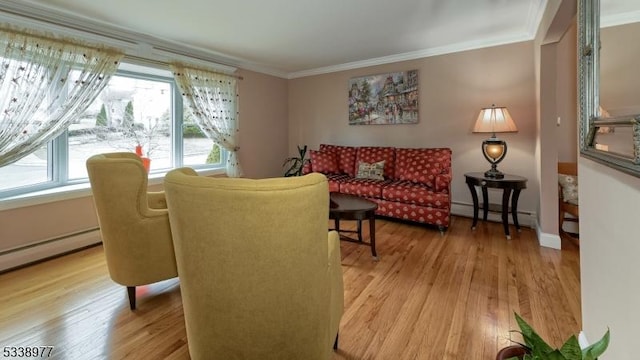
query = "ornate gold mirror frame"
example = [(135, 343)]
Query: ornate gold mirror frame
[(621, 131)]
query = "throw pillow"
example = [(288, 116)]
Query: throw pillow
[(569, 185), (324, 162), (373, 171)]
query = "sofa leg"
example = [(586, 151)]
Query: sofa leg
[(131, 291), (335, 343), (442, 229)]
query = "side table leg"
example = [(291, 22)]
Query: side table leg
[(485, 203), (514, 208), (337, 224), (372, 236), (505, 211), (359, 230), (474, 196)]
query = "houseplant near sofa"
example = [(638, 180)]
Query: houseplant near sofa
[(294, 165), (536, 348)]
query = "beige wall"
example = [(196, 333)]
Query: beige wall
[(609, 249), (263, 124), (609, 244), (263, 146), (452, 88), (619, 75), (567, 96)]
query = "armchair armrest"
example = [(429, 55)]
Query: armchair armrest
[(156, 200), (336, 284)]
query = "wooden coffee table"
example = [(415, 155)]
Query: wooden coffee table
[(351, 207)]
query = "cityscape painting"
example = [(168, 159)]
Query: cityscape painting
[(384, 99)]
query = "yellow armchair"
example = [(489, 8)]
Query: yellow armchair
[(134, 224), (260, 274)]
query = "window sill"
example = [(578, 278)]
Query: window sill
[(77, 191)]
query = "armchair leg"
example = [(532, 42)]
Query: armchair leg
[(335, 344), (131, 291)]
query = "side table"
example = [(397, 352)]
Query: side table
[(508, 184)]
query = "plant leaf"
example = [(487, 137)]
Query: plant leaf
[(593, 351), (531, 338), (557, 355), (571, 348)]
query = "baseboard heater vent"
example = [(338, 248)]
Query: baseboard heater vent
[(18, 257)]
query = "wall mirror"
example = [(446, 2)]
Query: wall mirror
[(609, 82)]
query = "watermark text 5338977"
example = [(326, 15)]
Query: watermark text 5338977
[(26, 352)]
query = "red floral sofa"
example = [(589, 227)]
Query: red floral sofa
[(415, 184)]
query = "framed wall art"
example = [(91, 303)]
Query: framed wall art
[(390, 98)]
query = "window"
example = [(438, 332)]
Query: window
[(136, 108)]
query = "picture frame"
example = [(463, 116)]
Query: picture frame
[(384, 99)]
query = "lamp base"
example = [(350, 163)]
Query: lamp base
[(494, 173)]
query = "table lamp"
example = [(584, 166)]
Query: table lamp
[(494, 120)]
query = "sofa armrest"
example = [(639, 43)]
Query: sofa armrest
[(443, 183)]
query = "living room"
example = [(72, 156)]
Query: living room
[(536, 79)]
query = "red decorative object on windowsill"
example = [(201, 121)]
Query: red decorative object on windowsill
[(146, 162)]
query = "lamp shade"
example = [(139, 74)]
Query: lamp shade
[(494, 120)]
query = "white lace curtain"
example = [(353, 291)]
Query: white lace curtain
[(45, 83), (213, 100)]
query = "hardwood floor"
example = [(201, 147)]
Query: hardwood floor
[(428, 297)]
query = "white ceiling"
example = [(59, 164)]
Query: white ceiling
[(302, 37)]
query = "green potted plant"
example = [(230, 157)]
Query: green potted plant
[(535, 348), (294, 165)]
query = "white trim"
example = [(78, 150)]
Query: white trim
[(524, 218), (620, 19), (77, 191), (548, 240), (31, 253), (466, 210), (535, 16), (45, 18), (413, 55)]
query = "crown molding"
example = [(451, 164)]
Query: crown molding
[(620, 19), (413, 55), (47, 19), (137, 45)]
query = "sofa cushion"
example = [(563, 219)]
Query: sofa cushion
[(422, 165), (335, 180), (373, 154), (363, 187), (373, 171), (346, 157), (325, 162), (413, 212), (411, 193)]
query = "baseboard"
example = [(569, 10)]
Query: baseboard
[(28, 254), (466, 210), (524, 219), (548, 240)]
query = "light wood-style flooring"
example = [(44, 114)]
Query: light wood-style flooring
[(430, 296)]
